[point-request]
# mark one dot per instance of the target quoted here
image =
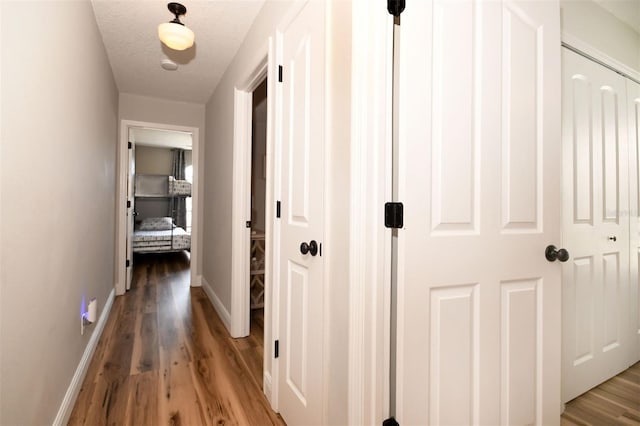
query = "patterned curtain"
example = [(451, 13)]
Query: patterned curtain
[(179, 203)]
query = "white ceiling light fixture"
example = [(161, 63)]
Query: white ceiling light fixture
[(174, 34)]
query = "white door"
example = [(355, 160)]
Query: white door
[(479, 162), (130, 210), (595, 225), (633, 109), (301, 284)]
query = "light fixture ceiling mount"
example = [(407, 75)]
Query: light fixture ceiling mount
[(175, 34)]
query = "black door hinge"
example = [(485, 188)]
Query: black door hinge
[(391, 421), (248, 224), (393, 215), (128, 204), (276, 349), (395, 7), (280, 73), (130, 145), (128, 263), (277, 209)]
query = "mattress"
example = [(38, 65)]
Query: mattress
[(158, 241), (179, 187)]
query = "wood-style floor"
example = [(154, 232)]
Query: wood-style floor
[(166, 358), (614, 402)]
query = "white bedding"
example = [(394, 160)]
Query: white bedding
[(179, 187), (158, 241)]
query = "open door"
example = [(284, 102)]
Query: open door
[(130, 209), (479, 166), (300, 384)]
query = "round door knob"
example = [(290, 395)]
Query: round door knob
[(552, 254), (311, 248), (613, 238)]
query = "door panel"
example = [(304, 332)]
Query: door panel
[(595, 225), (478, 303), (300, 334)]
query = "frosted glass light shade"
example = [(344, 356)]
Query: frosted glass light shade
[(175, 36)]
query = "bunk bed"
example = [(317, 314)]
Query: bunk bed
[(160, 234)]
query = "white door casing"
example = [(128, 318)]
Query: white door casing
[(479, 158), (633, 124), (595, 225), (130, 210), (300, 378)]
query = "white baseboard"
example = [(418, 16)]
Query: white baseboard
[(267, 389), (225, 316), (64, 412), (196, 281)]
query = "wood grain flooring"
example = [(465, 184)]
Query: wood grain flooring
[(165, 358), (614, 402)]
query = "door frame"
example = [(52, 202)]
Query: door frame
[(370, 243), (241, 195), (262, 66), (121, 215)]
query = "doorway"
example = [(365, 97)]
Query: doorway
[(160, 192), (132, 133)]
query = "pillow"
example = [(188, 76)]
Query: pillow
[(156, 224)]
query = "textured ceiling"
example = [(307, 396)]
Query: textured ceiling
[(129, 32)]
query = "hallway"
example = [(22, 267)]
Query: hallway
[(166, 358)]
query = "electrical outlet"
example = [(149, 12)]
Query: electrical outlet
[(82, 324)]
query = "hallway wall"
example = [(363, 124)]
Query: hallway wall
[(598, 27), (59, 123)]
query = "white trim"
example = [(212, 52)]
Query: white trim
[(121, 214), (272, 234), (240, 213), (267, 388), (2, 6), (196, 281), (217, 303), (584, 47), (370, 255), (69, 400), (241, 203)]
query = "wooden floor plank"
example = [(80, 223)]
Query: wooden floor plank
[(166, 358), (614, 402), (142, 405)]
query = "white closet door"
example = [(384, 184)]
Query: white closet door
[(595, 225), (633, 109), (478, 303)]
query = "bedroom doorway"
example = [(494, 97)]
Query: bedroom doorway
[(158, 197), (161, 198)]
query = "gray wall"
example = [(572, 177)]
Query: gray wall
[(155, 161), (59, 124), (258, 153), (598, 27)]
